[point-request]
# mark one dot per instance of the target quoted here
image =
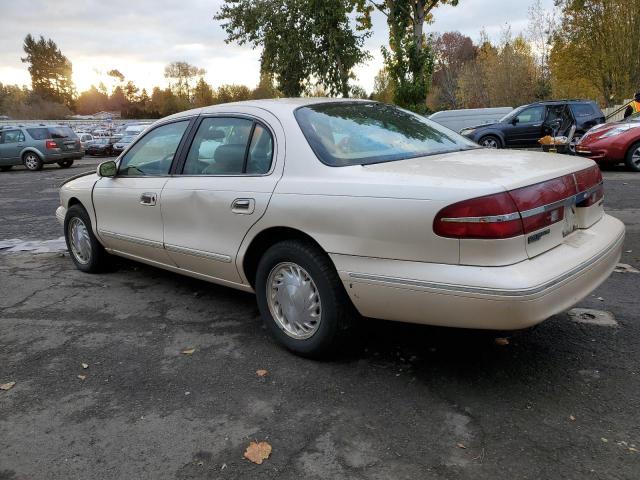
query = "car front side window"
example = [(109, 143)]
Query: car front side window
[(531, 115), (153, 153)]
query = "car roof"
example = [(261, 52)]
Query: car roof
[(273, 105)]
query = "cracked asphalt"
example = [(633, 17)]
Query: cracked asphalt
[(560, 401)]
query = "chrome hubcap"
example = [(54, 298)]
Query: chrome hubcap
[(79, 240), (31, 162), (635, 158), (490, 143), (293, 300)]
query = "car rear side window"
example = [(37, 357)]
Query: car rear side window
[(38, 133), (583, 110), (153, 153), (229, 146), (61, 133)]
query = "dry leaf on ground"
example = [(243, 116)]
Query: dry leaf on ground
[(261, 373), (7, 386), (461, 445), (502, 341), (85, 365), (82, 377), (572, 418), (188, 351), (257, 452)]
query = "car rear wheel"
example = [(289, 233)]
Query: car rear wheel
[(490, 141), (65, 163), (633, 158), (32, 161), (301, 298), (5, 168), (86, 252)]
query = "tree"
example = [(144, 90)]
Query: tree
[(540, 33), (202, 94), (452, 51), (601, 40), (92, 101), (115, 73), (382, 87), (50, 70), (408, 60), (300, 40), (182, 74), (265, 88), (232, 93)]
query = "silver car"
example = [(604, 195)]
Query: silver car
[(33, 146)]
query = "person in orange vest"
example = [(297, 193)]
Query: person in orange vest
[(633, 107)]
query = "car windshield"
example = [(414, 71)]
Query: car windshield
[(360, 133), (101, 141), (512, 114)]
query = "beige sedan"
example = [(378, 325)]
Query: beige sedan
[(328, 209)]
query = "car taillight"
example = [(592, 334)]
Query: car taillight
[(520, 211), (536, 202), (590, 187), (493, 216), (50, 144)]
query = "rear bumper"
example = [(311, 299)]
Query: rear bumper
[(58, 157), (499, 298)]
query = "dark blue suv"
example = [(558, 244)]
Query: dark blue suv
[(525, 125)]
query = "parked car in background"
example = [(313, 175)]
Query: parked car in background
[(136, 128), (458, 120), (613, 143), (524, 126), (34, 146), (101, 146), (325, 207), (122, 143), (86, 139)]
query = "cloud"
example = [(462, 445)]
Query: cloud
[(140, 37)]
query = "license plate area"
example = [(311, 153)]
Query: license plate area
[(570, 222)]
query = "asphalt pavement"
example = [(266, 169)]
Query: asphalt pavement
[(104, 390)]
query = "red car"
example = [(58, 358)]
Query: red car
[(613, 143)]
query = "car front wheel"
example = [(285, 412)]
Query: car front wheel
[(633, 158), (86, 252), (301, 298), (32, 161), (65, 163), (490, 141)]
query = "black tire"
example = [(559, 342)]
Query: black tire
[(65, 163), (490, 141), (5, 168), (632, 159), (337, 312), (97, 259), (32, 161)]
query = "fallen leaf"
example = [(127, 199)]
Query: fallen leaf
[(604, 439), (7, 386), (502, 341), (188, 351), (631, 449), (82, 377), (461, 445), (625, 268), (572, 418), (601, 299), (257, 452), (85, 365), (262, 373)]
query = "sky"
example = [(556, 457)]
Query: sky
[(140, 37)]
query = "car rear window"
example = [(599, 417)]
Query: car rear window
[(62, 132), (583, 109), (38, 133), (360, 133)]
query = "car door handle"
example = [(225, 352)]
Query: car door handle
[(243, 206), (148, 198)]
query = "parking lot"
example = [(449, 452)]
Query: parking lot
[(104, 390)]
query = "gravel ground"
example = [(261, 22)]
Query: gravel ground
[(559, 401)]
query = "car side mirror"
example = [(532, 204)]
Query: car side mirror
[(514, 121), (107, 169)]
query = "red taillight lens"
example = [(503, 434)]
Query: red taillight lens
[(493, 216), (590, 181), (50, 144)]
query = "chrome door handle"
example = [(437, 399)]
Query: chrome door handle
[(148, 199), (243, 206)]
